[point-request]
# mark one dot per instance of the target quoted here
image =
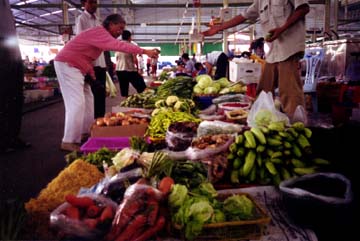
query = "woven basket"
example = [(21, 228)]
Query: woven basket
[(235, 230)]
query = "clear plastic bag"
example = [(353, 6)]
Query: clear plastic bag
[(80, 228), (233, 98), (217, 127), (116, 186), (265, 103), (139, 209), (194, 153)]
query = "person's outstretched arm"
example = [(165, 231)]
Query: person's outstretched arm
[(296, 16)]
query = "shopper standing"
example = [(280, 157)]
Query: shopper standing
[(83, 22), (189, 64), (219, 60), (284, 21), (74, 61), (126, 69)]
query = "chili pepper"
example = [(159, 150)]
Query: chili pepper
[(80, 202), (107, 213), (133, 229), (93, 211), (151, 231), (72, 212), (91, 222)]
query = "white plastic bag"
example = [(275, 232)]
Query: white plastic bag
[(110, 86), (265, 102)]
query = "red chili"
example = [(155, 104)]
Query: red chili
[(91, 222), (81, 202), (93, 211), (107, 213), (72, 212), (151, 231)]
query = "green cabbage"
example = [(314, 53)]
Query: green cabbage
[(224, 82), (216, 85), (197, 89), (178, 195), (239, 207), (210, 90), (204, 81)]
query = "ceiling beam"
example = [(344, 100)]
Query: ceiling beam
[(153, 5), (38, 28)]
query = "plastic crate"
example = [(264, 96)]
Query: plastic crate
[(112, 143)]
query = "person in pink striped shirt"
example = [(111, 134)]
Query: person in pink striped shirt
[(74, 61)]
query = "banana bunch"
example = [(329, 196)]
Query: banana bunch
[(271, 154)]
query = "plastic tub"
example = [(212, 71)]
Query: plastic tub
[(112, 143), (230, 106)]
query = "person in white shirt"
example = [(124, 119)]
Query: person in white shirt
[(284, 23), (83, 22)]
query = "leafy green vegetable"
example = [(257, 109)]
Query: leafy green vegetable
[(218, 216), (239, 207), (178, 195), (102, 155), (204, 81)]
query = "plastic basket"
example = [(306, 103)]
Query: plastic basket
[(112, 143), (235, 230)]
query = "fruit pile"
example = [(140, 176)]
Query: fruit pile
[(268, 155)]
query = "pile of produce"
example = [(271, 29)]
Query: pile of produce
[(144, 100), (69, 181), (121, 119), (206, 86), (193, 208), (162, 120), (174, 103), (270, 154), (180, 86)]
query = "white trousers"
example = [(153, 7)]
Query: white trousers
[(78, 100)]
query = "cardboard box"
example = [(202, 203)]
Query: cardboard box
[(247, 72), (114, 131)]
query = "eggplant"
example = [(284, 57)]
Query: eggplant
[(118, 184)]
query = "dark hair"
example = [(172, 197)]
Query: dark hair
[(113, 18), (185, 56), (126, 35), (197, 65)]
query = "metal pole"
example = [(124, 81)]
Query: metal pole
[(327, 16)]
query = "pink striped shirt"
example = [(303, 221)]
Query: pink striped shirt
[(82, 50)]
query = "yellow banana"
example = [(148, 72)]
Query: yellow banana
[(276, 126), (240, 152), (271, 168), (297, 163), (304, 170), (273, 142), (259, 135), (320, 161), (303, 141), (260, 148), (234, 176), (307, 132), (249, 162), (285, 173), (299, 126), (296, 151), (239, 139), (249, 137)]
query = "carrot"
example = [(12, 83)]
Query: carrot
[(166, 184), (151, 231), (134, 228), (93, 211), (80, 202), (125, 212), (72, 212), (91, 222), (153, 208), (107, 213)]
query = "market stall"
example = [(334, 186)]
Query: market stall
[(175, 170)]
